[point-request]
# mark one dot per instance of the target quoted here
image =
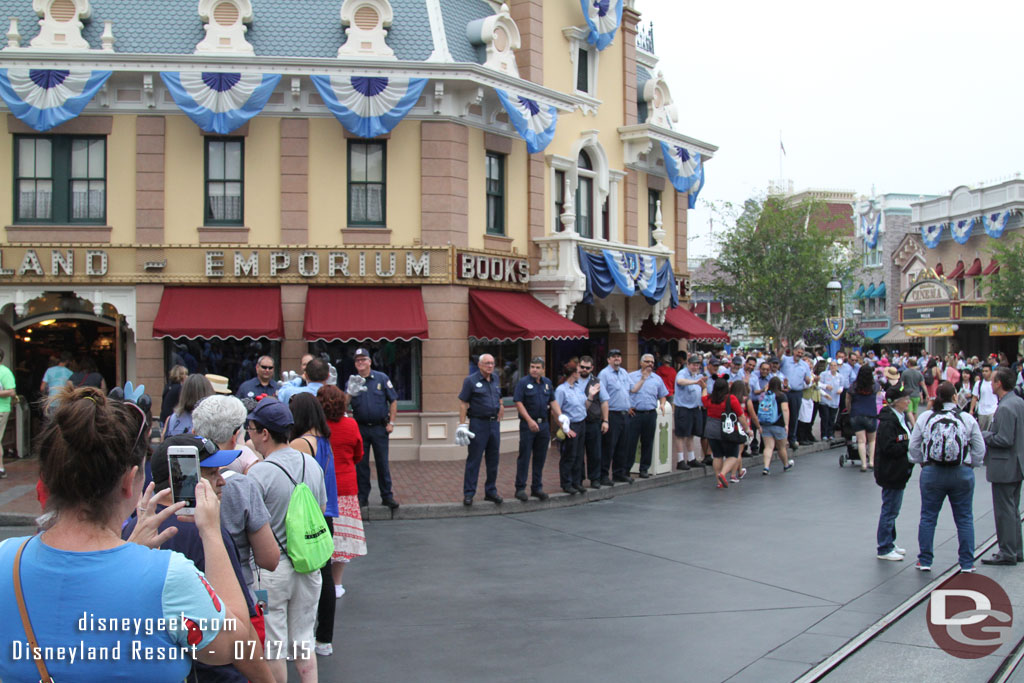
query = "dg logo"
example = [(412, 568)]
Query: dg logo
[(969, 616)]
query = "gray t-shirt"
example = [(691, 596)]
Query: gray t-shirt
[(912, 379), (242, 512), (277, 488)]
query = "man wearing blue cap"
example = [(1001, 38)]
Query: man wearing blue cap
[(374, 403)]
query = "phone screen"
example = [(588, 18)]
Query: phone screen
[(183, 462)]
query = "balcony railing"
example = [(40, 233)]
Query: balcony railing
[(645, 37)]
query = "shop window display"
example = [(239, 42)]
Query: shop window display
[(399, 360), (232, 358), (510, 361)]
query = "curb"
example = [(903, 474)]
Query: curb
[(381, 513)]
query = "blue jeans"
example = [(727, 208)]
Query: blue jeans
[(937, 483), (892, 501)]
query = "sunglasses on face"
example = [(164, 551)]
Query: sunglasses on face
[(267, 367)]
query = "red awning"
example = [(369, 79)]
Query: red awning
[(512, 316), (992, 268), (975, 269), (938, 269), (702, 307), (958, 272), (682, 324), (370, 313), (220, 312)]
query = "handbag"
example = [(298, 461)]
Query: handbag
[(44, 675), (729, 427)]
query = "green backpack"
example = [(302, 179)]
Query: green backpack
[(310, 545)]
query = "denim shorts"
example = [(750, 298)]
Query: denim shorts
[(777, 432), (864, 423)]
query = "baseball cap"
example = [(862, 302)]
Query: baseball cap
[(694, 359), (361, 351), (209, 456), (774, 359), (896, 392), (614, 352), (219, 384), (713, 361), (272, 414), (737, 360)]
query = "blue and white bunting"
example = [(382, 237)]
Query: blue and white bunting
[(603, 18), (44, 98), (533, 122), (930, 234), (631, 272), (961, 230), (369, 106), (695, 189), (683, 168), (995, 223), (871, 229), (220, 102)]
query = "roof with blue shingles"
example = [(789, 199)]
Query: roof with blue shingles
[(281, 28)]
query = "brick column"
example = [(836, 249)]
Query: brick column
[(444, 184), (295, 181), (631, 212), (630, 18), (149, 352), (529, 15), (149, 180), (446, 354), (681, 231), (293, 310), (629, 344)]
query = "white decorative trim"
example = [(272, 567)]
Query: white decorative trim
[(121, 298), (367, 42), (661, 110), (437, 33), (60, 35), (225, 38), (107, 40), (500, 35), (13, 36), (640, 138)]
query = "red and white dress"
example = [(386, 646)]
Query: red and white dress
[(347, 443)]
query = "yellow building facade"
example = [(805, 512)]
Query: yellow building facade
[(136, 237)]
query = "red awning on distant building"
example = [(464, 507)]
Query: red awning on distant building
[(992, 268), (939, 269), (975, 269), (514, 316), (682, 324), (702, 307), (958, 272), (220, 312), (357, 313)]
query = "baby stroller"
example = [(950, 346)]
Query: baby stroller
[(851, 455)]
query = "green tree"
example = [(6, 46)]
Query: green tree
[(773, 266), (1006, 288)]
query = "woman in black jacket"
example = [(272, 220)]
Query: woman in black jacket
[(892, 467)]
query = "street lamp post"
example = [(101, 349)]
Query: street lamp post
[(835, 322)]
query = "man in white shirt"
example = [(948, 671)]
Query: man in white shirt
[(985, 402)]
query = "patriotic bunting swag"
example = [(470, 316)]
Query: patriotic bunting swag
[(931, 234), (220, 102), (871, 228), (684, 169), (962, 230), (534, 124), (603, 19), (44, 98), (629, 273), (697, 187), (995, 223), (369, 106)]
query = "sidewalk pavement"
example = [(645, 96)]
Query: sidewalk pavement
[(425, 489)]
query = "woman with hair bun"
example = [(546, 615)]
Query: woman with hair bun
[(90, 458)]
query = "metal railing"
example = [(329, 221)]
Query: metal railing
[(645, 37)]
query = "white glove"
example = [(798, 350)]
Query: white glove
[(332, 375), (290, 377), (463, 436), (355, 385), (563, 420)]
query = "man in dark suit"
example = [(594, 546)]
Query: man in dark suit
[(1005, 468)]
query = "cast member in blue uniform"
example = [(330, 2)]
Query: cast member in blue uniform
[(374, 410), (647, 395), (480, 402), (534, 397), (616, 383), (597, 420), (262, 383)]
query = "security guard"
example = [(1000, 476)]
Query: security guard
[(616, 382), (480, 401), (374, 411), (647, 395), (534, 397)]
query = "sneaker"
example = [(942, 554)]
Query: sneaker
[(892, 556), (722, 483), (968, 570), (765, 472), (324, 649), (720, 486), (923, 567), (743, 472), (3, 474), (788, 467), (339, 590), (897, 549), (733, 480)]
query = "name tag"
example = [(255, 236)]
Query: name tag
[(479, 384), (529, 386)]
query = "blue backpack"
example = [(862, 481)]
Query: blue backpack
[(768, 409)]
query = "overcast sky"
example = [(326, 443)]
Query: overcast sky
[(904, 95)]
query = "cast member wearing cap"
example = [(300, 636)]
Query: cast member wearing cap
[(262, 383), (597, 419), (892, 468), (688, 414), (614, 446), (291, 597), (534, 397), (374, 409), (480, 402), (187, 541), (647, 395)]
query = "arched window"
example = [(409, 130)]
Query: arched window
[(585, 195)]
